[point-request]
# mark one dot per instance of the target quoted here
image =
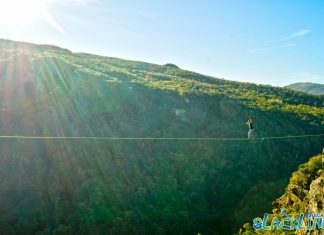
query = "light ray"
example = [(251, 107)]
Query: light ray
[(54, 23)]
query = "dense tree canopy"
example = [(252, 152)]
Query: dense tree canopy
[(76, 186)]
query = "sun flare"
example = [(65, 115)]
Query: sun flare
[(22, 12)]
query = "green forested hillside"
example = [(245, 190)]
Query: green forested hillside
[(307, 87), (78, 186)]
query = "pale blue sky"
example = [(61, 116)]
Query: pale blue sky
[(270, 42)]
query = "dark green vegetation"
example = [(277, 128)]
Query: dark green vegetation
[(304, 193), (140, 186), (307, 87)]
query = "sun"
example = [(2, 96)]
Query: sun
[(22, 12)]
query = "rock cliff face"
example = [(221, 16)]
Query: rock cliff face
[(304, 193)]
